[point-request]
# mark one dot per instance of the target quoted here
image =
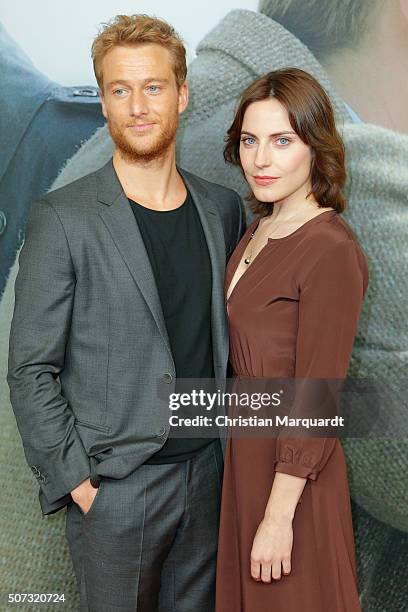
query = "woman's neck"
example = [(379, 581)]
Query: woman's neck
[(293, 210)]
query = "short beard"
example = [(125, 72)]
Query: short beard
[(158, 149)]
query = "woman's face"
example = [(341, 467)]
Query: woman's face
[(275, 161)]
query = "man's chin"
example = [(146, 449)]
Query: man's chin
[(142, 155)]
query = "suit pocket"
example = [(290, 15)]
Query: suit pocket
[(96, 501), (95, 426)]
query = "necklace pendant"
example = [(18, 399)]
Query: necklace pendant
[(247, 261)]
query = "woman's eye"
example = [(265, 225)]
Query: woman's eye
[(283, 141), (248, 140)]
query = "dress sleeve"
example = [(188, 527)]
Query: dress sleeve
[(329, 308)]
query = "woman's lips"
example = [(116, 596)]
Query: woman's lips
[(265, 180)]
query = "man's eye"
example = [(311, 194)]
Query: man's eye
[(283, 141), (119, 92), (153, 88)]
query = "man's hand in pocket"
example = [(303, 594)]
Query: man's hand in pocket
[(84, 495)]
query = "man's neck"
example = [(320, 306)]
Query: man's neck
[(155, 184), (372, 78)]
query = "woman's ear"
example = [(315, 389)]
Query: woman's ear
[(313, 158)]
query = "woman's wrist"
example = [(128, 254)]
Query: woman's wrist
[(284, 498), (281, 516)]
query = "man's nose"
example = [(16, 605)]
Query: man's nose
[(138, 104)]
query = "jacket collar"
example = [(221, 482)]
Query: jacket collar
[(122, 226)]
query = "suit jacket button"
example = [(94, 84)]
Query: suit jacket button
[(167, 377)]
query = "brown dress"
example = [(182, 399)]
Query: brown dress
[(293, 313)]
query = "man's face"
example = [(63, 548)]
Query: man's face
[(141, 100)]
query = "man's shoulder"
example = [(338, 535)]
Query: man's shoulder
[(82, 189), (212, 189)]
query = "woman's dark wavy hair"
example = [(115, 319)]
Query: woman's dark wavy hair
[(312, 118)]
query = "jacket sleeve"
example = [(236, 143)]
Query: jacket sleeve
[(44, 296), (242, 220), (329, 307)]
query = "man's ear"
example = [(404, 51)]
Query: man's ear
[(102, 99), (183, 97)]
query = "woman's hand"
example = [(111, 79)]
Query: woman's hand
[(271, 549)]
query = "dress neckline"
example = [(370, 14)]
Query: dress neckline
[(300, 226), (251, 230)]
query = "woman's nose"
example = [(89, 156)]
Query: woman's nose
[(263, 157)]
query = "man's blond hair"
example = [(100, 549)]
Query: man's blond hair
[(132, 30)]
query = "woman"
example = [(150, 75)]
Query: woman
[(294, 289)]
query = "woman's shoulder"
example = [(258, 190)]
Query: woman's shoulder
[(331, 230), (343, 229), (335, 246)]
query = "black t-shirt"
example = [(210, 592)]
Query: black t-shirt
[(179, 257)]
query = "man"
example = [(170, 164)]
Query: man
[(120, 290)]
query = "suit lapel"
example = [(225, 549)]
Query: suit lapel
[(122, 226), (125, 233), (212, 226)]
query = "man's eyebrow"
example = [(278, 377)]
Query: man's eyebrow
[(274, 134), (148, 80)]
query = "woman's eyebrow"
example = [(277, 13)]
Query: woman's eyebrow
[(274, 134)]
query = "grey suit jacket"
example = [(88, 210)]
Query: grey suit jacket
[(89, 352)]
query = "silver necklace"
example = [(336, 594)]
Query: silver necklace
[(247, 260)]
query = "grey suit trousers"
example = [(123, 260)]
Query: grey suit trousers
[(149, 541)]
